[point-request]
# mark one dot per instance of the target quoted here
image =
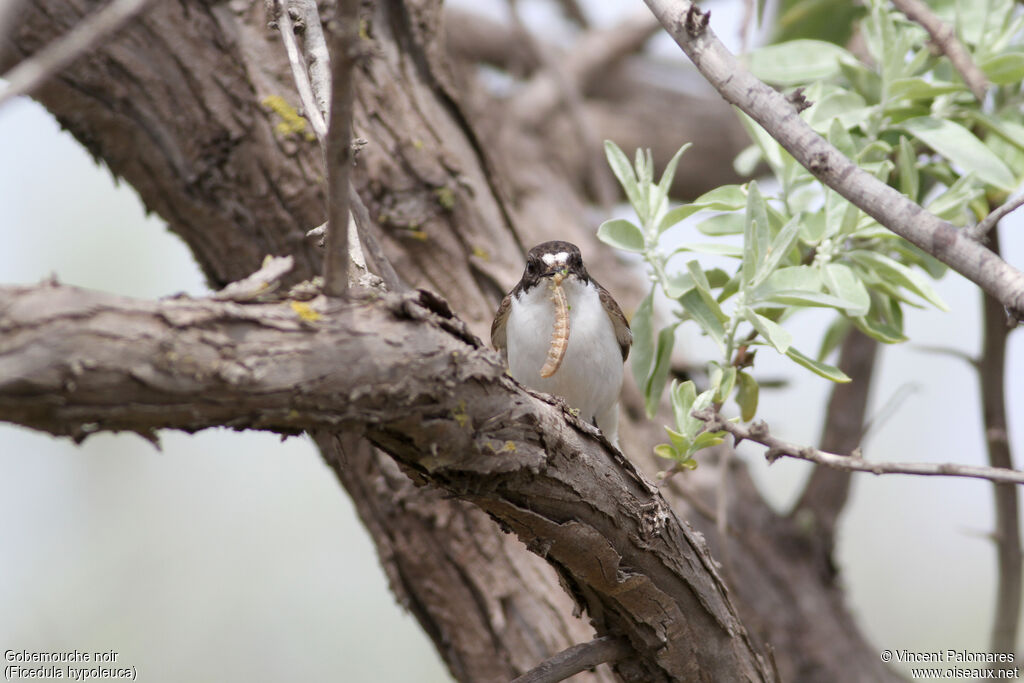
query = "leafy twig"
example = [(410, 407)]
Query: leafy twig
[(945, 39), (778, 448), (688, 25), (981, 229)]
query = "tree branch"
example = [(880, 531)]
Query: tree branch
[(577, 658), (945, 39), (826, 492), (314, 111), (688, 25), (344, 46), (777, 448), (979, 230), (991, 375), (24, 78), (73, 362)]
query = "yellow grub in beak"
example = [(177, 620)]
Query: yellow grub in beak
[(560, 333)]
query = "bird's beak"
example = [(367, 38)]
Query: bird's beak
[(557, 269)]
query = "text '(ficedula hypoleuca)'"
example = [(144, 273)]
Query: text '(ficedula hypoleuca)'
[(570, 343)]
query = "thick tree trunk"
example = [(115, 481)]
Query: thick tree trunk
[(178, 106)]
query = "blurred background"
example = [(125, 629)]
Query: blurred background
[(237, 557)]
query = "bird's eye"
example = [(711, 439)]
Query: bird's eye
[(531, 267)]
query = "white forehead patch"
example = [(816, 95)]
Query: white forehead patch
[(561, 258)]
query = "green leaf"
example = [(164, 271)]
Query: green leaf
[(642, 352), (817, 367), (723, 224), (722, 382), (1004, 69), (778, 249), (961, 147), (774, 334), (716, 248), (898, 274), (755, 233), (805, 278), (844, 106), (667, 176), (747, 391), (920, 89), (841, 281), (723, 198), (798, 61), (627, 178), (659, 374), (906, 160), (695, 306), (683, 396), (622, 234)]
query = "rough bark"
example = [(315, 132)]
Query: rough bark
[(173, 106), (433, 396)]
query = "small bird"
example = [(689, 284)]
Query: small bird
[(562, 333)]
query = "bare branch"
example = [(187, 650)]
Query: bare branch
[(777, 448), (979, 230), (409, 374), (24, 78), (317, 56), (992, 375), (688, 25), (344, 46), (314, 114), (945, 39), (577, 658)]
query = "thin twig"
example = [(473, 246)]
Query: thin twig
[(945, 39), (317, 56), (368, 236), (979, 230), (29, 74), (344, 44), (577, 658), (314, 114), (991, 375), (688, 25), (778, 448)]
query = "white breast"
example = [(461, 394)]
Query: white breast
[(590, 376)]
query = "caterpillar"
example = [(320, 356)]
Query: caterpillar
[(560, 332)]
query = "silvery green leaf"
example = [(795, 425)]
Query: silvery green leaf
[(623, 170), (961, 147), (659, 373), (696, 307), (723, 224), (622, 234), (773, 333), (841, 281), (797, 61), (747, 395), (817, 367), (642, 352), (900, 275)]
